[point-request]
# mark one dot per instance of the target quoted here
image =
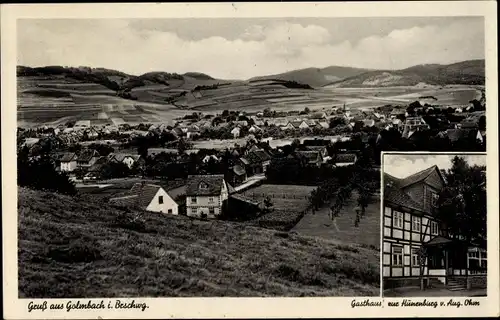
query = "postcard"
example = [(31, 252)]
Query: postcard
[(250, 160)]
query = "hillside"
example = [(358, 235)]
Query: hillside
[(76, 247), (316, 77), (470, 72)]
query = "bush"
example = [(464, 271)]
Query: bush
[(125, 221)]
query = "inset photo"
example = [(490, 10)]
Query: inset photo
[(434, 225)]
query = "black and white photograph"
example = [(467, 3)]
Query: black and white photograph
[(227, 157), (214, 151), (434, 225)]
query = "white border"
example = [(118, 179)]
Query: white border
[(239, 307)]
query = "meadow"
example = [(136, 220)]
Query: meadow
[(69, 99), (73, 247)]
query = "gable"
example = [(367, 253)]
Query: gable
[(435, 180)]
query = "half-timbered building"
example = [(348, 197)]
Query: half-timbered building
[(417, 248)]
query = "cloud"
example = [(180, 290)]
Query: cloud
[(401, 166), (259, 50)]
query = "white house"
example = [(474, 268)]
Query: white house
[(68, 162), (254, 129), (149, 197), (206, 195), (415, 243), (236, 132)]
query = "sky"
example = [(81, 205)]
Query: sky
[(241, 48), (401, 166)]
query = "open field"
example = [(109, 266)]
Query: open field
[(318, 224), (289, 204), (69, 99), (104, 252)]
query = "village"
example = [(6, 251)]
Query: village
[(192, 166)]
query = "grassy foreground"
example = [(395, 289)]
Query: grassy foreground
[(76, 247)]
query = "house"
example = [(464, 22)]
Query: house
[(149, 197), (237, 175), (81, 124), (206, 195), (255, 162), (415, 242), (236, 132), (152, 152), (92, 132), (254, 128), (413, 124), (324, 124), (468, 135), (127, 159), (193, 132), (317, 115), (210, 157), (68, 161), (368, 122), (87, 158), (242, 123), (287, 126), (321, 149), (310, 158), (299, 124), (344, 159)]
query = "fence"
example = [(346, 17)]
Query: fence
[(261, 195)]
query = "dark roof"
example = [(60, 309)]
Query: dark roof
[(139, 196), (316, 148), (87, 155), (311, 156), (439, 240), (394, 194), (458, 134), (345, 158), (67, 157), (204, 185), (417, 177), (254, 157)]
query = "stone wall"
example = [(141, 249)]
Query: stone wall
[(476, 282)]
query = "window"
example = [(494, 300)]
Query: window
[(170, 211), (415, 257), (434, 228), (193, 199), (416, 224), (434, 198), (202, 186), (398, 219), (160, 199), (397, 256), (210, 199), (193, 210), (211, 210)]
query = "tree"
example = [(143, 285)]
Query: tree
[(482, 123), (337, 121), (183, 145), (268, 204), (461, 205), (306, 110)]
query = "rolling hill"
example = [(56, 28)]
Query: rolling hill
[(55, 95), (470, 72), (80, 247), (316, 77)]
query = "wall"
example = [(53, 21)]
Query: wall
[(477, 282), (68, 166), (168, 203)]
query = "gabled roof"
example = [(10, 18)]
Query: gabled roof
[(394, 194), (204, 185), (87, 155), (311, 156), (419, 176), (345, 158), (140, 195), (257, 156), (67, 157)]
